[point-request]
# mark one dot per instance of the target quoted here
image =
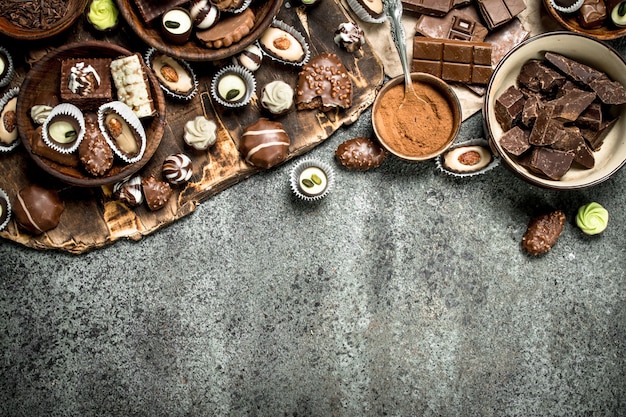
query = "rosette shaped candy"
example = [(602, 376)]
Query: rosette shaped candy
[(592, 218), (200, 133)]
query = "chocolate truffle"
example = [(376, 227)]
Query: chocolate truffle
[(156, 192), (38, 209), (177, 168), (360, 153), (5, 209), (264, 143), (543, 232), (176, 25), (324, 84)]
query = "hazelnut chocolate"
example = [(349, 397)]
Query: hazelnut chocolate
[(543, 232), (360, 153)]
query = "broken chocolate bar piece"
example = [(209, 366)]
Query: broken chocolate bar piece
[(452, 60), (572, 104), (429, 7), (546, 128), (515, 141), (592, 14), (595, 138), (539, 78), (508, 107), (592, 118), (543, 232), (550, 162), (572, 140), (532, 107), (458, 24), (609, 92), (577, 71), (498, 12)]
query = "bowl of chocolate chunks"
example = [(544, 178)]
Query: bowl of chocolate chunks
[(554, 111)]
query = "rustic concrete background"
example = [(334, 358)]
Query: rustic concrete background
[(404, 293)]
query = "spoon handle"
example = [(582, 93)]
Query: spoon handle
[(393, 9)]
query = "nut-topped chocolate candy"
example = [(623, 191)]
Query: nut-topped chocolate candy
[(324, 84), (156, 192), (175, 76), (38, 209), (360, 153), (94, 152)]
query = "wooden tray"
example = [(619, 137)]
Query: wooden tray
[(93, 219), (264, 12), (45, 78)]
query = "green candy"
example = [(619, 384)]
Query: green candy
[(592, 218)]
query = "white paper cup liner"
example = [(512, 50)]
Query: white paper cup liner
[(4, 196), (297, 35), (170, 93), (64, 109), (571, 9), (363, 14), (248, 79), (8, 76), (241, 8), (296, 171), (439, 161), (133, 121), (13, 92)]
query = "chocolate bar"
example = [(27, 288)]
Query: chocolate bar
[(429, 7), (461, 24), (508, 107), (498, 12), (451, 60)]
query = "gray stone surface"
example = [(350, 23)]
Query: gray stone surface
[(404, 293)]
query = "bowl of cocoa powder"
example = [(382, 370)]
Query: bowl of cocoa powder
[(421, 129)]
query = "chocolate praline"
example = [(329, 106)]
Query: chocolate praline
[(176, 25), (38, 209)]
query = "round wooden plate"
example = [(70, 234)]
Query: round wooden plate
[(605, 32), (74, 9), (45, 77), (264, 13)]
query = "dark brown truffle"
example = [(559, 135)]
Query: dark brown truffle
[(360, 153), (264, 143), (37, 209)]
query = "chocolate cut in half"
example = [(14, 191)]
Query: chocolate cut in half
[(176, 77), (64, 128), (285, 44), (122, 130), (9, 138)]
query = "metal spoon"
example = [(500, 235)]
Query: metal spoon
[(393, 9)]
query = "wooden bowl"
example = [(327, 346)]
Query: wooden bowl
[(74, 10), (264, 12), (45, 76), (568, 21)]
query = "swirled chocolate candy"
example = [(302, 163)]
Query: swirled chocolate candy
[(264, 143), (360, 153), (129, 191), (324, 84), (177, 168), (38, 209)]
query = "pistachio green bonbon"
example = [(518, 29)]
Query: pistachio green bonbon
[(592, 218), (103, 14)]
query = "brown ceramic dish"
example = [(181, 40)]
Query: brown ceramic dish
[(606, 32), (74, 11), (448, 103), (264, 12), (44, 77)]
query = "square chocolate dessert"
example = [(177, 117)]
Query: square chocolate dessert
[(86, 83)]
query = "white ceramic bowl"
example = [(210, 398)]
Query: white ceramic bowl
[(587, 50)]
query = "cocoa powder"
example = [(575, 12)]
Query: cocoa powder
[(417, 129)]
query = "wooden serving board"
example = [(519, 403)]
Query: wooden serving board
[(93, 219)]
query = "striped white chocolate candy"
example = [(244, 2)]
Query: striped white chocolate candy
[(264, 143), (249, 58), (203, 13), (129, 191), (177, 168)]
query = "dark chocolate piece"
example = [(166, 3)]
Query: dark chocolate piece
[(543, 232), (360, 154), (323, 83), (592, 14), (595, 138), (550, 162), (538, 77), (577, 71), (429, 7), (545, 128), (532, 107), (592, 118), (498, 12), (156, 192), (572, 104), (508, 107), (609, 92), (572, 140), (38, 209), (515, 141), (452, 60)]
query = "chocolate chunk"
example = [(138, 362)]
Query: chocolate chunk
[(545, 128), (498, 12), (539, 78), (592, 118), (508, 107), (550, 162), (515, 141), (568, 107), (572, 140), (609, 92), (543, 232), (595, 138), (452, 60), (429, 7), (532, 106), (577, 71), (592, 14)]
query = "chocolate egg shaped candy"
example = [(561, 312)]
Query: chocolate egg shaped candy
[(176, 77), (264, 143), (123, 131), (360, 154), (38, 209), (285, 44)]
